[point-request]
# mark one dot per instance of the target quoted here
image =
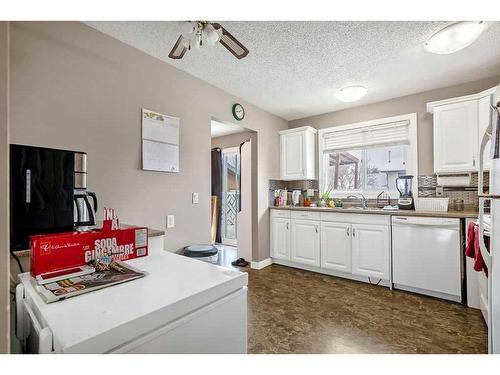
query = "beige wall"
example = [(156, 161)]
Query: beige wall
[(398, 106), (4, 187), (73, 87), (233, 140)]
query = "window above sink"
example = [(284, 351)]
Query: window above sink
[(367, 157)]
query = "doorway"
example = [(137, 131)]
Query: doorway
[(231, 170), (234, 193)]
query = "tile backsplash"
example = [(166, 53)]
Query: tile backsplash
[(294, 185), (427, 188)]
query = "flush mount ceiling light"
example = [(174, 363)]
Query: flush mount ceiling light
[(455, 37), (351, 93)]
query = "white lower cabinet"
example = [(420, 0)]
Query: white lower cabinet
[(280, 238), (305, 247), (355, 246), (336, 246), (370, 255)]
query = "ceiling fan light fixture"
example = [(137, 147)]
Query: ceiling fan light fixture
[(455, 37), (211, 35), (188, 29), (351, 93)]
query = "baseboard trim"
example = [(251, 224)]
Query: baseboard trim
[(344, 275), (262, 264)]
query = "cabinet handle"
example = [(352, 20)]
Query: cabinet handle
[(474, 162), (287, 226), (317, 229), (353, 232), (348, 234)]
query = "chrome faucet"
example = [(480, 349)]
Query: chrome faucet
[(362, 198)]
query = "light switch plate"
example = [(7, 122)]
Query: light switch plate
[(170, 221), (195, 198)]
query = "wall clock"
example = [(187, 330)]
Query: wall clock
[(238, 112)]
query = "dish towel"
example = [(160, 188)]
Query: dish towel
[(472, 249)]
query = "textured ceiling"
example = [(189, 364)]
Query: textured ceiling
[(294, 68), (220, 129)]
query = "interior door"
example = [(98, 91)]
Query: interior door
[(230, 195), (370, 250), (292, 156), (336, 246), (455, 137), (305, 247), (280, 238)]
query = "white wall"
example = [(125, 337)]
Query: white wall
[(73, 87)]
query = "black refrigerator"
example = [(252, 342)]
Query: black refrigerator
[(41, 192)]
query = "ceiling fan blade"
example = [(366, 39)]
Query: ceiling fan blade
[(179, 49), (231, 43)]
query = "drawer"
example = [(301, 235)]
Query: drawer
[(304, 215), (280, 213)]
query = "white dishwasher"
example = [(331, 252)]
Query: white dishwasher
[(426, 256)]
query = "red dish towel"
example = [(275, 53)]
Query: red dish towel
[(472, 249)]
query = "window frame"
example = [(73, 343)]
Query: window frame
[(411, 163)]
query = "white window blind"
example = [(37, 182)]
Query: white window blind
[(380, 135)]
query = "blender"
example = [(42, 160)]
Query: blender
[(405, 201)]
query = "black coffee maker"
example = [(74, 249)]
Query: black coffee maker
[(405, 201)]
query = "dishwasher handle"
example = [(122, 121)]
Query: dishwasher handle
[(425, 222)]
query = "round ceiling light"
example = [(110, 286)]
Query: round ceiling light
[(455, 37), (351, 93)]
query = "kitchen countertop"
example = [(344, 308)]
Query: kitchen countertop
[(448, 214), (174, 287)]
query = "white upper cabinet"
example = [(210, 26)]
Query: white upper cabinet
[(484, 118), (297, 149), (459, 125), (455, 137), (370, 250)]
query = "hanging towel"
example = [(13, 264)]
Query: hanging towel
[(472, 249)]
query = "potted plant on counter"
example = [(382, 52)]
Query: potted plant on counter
[(325, 197)]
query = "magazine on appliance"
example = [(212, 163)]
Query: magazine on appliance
[(108, 272)]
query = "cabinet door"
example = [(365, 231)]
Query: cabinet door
[(280, 238), (484, 118), (370, 250), (455, 137), (292, 156), (305, 242), (336, 246)]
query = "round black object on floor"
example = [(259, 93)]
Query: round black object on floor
[(199, 251)]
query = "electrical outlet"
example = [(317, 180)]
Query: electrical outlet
[(170, 221), (195, 198)]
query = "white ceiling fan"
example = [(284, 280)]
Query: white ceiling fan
[(197, 33)]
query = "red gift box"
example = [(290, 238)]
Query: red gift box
[(53, 252)]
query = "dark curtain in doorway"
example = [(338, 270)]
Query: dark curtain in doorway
[(217, 187)]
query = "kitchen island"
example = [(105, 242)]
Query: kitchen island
[(181, 306)]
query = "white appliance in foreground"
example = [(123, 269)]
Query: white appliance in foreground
[(426, 256), (181, 306), (491, 256)]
